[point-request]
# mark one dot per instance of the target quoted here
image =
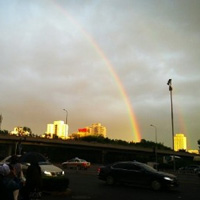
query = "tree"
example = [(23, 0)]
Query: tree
[(27, 129), (198, 143), (4, 132), (100, 139)]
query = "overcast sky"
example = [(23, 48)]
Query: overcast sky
[(50, 59)]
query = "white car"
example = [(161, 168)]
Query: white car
[(47, 168), (76, 163), (7, 160)]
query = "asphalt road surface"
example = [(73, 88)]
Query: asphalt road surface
[(84, 184)]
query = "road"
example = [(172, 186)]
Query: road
[(85, 185)]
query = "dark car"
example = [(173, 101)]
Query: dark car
[(190, 169), (136, 173)]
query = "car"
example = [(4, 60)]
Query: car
[(138, 174), (76, 163), (7, 159), (190, 169), (47, 168)]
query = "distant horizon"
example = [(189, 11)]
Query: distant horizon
[(107, 136)]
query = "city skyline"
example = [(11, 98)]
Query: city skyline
[(102, 61), (180, 141)]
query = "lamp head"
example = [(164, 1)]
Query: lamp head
[(169, 82)]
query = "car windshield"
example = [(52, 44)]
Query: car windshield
[(40, 163), (81, 160), (44, 163), (77, 160)]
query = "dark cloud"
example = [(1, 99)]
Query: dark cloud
[(60, 54)]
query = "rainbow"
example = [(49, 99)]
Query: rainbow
[(132, 118)]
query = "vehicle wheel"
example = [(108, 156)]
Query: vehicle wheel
[(155, 185), (110, 180)]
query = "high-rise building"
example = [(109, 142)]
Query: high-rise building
[(180, 142), (98, 129), (58, 129), (94, 129)]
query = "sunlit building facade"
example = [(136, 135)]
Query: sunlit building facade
[(98, 129), (180, 142), (195, 151), (57, 130), (95, 129)]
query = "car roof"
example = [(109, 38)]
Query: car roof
[(130, 162)]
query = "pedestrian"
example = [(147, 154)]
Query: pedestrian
[(17, 166), (33, 184), (3, 190), (9, 184)]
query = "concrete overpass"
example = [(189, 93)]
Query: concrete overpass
[(61, 150)]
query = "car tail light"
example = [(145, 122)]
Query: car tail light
[(98, 170)]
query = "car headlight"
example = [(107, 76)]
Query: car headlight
[(168, 178), (47, 173), (63, 173)]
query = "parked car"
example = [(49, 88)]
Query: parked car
[(47, 168), (190, 169), (76, 163), (136, 173), (7, 159)]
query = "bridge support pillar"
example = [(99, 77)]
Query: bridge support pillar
[(103, 156), (9, 149)]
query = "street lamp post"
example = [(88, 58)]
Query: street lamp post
[(172, 116), (66, 115), (155, 144), (1, 119)]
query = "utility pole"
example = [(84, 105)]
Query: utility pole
[(172, 117), (1, 119), (66, 115), (156, 154)]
